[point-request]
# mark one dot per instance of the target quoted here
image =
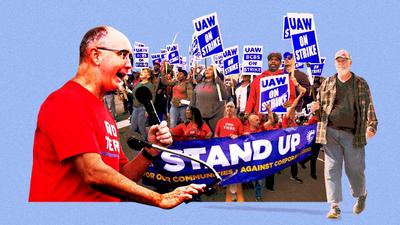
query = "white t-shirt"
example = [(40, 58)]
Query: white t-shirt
[(241, 97)]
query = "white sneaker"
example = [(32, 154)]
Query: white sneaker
[(359, 206)]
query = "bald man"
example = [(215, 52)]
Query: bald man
[(77, 155)]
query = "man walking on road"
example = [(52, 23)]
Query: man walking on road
[(347, 120)]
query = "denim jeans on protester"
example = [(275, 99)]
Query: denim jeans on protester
[(258, 188), (138, 121), (110, 104), (177, 114), (338, 149)]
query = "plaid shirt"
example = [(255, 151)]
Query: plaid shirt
[(365, 112)]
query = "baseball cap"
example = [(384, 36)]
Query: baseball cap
[(342, 54), (274, 54), (288, 55)]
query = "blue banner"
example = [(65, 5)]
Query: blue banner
[(156, 57), (316, 69), (210, 42), (305, 47), (252, 59), (141, 57), (286, 29), (253, 157), (231, 61), (194, 49), (274, 91), (207, 32), (173, 54)]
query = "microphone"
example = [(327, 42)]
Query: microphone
[(137, 144), (144, 96)]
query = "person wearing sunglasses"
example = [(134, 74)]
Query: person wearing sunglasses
[(77, 155)]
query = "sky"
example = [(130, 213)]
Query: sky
[(39, 42)]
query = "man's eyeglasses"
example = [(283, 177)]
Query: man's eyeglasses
[(124, 54)]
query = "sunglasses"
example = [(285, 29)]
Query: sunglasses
[(124, 54)]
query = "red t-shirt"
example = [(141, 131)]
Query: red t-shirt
[(72, 121), (189, 131), (227, 126), (253, 101), (312, 120), (248, 130), (179, 91), (287, 122)]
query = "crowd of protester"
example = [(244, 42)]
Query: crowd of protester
[(202, 104)]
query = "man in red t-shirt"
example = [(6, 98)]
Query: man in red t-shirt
[(230, 126), (253, 101), (77, 155)]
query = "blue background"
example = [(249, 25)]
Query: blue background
[(39, 42)]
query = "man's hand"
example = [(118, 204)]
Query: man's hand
[(160, 134), (287, 104), (179, 195), (233, 136), (315, 106), (370, 133)]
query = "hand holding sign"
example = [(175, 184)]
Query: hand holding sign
[(315, 106)]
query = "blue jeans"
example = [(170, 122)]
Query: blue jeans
[(258, 188), (110, 104), (176, 114), (338, 149), (138, 121)]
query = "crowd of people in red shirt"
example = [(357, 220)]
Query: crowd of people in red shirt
[(203, 104)]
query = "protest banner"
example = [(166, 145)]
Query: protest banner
[(274, 90), (304, 37), (156, 57), (163, 54), (194, 49), (208, 35), (141, 57), (299, 22), (286, 29), (231, 61), (219, 61), (316, 69), (305, 47), (139, 44), (173, 53), (253, 156), (252, 59), (182, 62)]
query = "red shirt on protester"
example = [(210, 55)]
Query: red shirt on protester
[(227, 126), (253, 101), (248, 130), (288, 122), (179, 91), (312, 120), (190, 131), (72, 121)]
